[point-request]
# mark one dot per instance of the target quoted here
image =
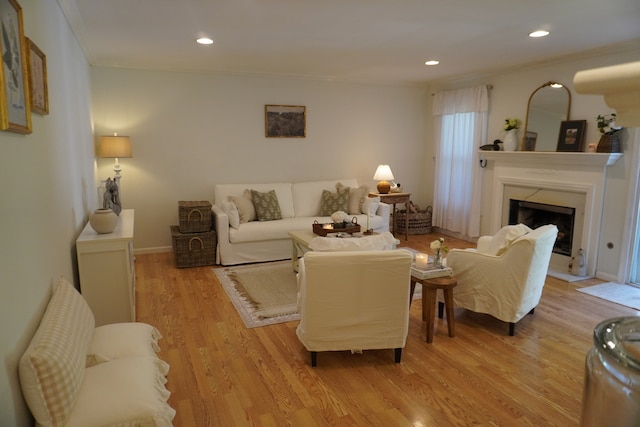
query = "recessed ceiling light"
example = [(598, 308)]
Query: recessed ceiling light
[(204, 40), (432, 62), (539, 33)]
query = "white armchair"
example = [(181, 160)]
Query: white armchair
[(505, 275), (354, 301)]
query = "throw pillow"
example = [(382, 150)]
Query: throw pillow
[(266, 204), (231, 211), (371, 205), (504, 237), (356, 198), (244, 204), (333, 202)]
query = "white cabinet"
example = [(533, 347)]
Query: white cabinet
[(107, 274)]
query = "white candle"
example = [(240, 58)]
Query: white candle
[(421, 261), (327, 226), (368, 215)]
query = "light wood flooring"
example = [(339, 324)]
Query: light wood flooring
[(223, 374)]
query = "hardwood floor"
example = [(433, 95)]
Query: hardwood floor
[(223, 374)]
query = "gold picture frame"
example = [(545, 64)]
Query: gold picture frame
[(285, 121), (15, 103), (37, 67)]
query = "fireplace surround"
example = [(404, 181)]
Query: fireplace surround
[(573, 181)]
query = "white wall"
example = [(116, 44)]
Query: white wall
[(45, 180), (191, 131), (509, 97)]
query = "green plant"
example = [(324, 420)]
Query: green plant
[(607, 124), (511, 124)]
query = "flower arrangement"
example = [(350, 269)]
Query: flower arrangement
[(607, 124), (510, 124), (437, 246)]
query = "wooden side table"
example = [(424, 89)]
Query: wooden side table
[(393, 199), (429, 289)]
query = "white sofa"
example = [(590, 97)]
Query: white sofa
[(300, 204)]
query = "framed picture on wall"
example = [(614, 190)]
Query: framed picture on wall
[(285, 121), (37, 66), (571, 135), (16, 104)]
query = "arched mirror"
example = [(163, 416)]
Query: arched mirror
[(548, 106)]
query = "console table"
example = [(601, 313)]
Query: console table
[(392, 199), (107, 275)]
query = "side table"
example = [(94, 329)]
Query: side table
[(393, 199), (429, 289)]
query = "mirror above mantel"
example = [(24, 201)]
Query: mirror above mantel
[(549, 105)]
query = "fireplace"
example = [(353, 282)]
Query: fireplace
[(566, 189), (535, 215)]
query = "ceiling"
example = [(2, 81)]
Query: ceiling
[(379, 41)]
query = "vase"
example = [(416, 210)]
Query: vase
[(437, 259), (103, 221), (511, 140), (609, 144)]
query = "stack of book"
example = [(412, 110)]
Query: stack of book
[(430, 272)]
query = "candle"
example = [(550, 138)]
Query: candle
[(327, 226), (421, 261), (368, 215)]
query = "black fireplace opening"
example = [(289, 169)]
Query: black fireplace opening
[(535, 215)]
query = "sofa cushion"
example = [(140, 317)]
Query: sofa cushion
[(334, 202), (357, 195), (119, 340), (266, 205), (282, 189), (52, 368), (124, 392), (231, 210), (307, 195), (504, 237), (370, 205), (244, 205)]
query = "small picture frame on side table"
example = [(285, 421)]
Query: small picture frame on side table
[(571, 135)]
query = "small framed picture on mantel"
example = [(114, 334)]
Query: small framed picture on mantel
[(571, 135)]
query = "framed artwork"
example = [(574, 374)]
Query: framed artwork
[(530, 141), (285, 121), (37, 67), (571, 135), (15, 107)]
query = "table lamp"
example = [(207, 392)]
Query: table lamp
[(115, 147), (383, 174)]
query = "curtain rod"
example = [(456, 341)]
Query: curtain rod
[(488, 87)]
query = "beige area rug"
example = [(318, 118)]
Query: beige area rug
[(619, 293), (266, 293)]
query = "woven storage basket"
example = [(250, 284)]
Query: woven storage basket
[(193, 249), (195, 217), (419, 222)]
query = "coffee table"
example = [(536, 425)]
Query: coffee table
[(300, 240)]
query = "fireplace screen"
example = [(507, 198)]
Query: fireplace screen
[(535, 215)]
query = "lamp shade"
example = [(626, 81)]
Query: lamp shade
[(115, 146), (383, 173)]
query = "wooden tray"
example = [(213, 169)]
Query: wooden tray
[(321, 231)]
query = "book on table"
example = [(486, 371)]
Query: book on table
[(430, 272)]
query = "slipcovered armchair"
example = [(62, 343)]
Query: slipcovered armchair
[(505, 274), (354, 300)]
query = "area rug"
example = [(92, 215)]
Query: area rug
[(619, 293), (266, 293)]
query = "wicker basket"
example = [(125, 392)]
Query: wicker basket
[(419, 222), (193, 249), (195, 217)]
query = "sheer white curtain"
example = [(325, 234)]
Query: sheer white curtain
[(460, 128)]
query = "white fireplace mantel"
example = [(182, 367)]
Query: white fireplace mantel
[(552, 157), (552, 175)]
